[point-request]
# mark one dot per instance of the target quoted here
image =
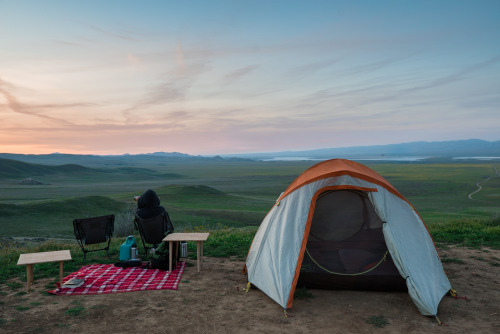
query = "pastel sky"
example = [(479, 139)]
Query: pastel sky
[(217, 77)]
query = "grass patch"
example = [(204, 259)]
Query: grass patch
[(222, 243), (10, 255), (226, 243), (22, 308), (75, 311), (32, 218), (14, 285), (302, 293), (50, 285), (474, 233), (99, 307), (378, 321), (452, 260)]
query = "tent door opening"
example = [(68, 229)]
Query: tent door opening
[(346, 247)]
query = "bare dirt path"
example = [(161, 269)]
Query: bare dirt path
[(214, 302), (478, 185)]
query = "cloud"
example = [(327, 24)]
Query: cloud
[(133, 60), (239, 73), (123, 36), (458, 75), (311, 68), (432, 83), (171, 86), (35, 110), (353, 93), (180, 59)]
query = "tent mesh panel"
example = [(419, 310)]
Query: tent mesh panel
[(346, 238)]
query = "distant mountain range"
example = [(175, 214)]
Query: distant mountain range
[(431, 150), (89, 160), (443, 149)]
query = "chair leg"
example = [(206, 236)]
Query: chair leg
[(145, 248), (107, 247)]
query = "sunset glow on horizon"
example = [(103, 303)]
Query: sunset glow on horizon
[(219, 77)]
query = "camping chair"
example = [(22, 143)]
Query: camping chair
[(153, 230), (92, 231)]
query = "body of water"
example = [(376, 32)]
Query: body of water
[(357, 159), (403, 159), (477, 158)]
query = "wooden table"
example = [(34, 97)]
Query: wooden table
[(198, 237), (30, 259)]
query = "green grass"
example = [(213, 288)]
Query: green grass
[(302, 293), (452, 260), (75, 311), (219, 193), (468, 232), (53, 218), (233, 242), (223, 243), (227, 198), (188, 206), (22, 308), (378, 321), (10, 255), (14, 285), (227, 243), (439, 191)]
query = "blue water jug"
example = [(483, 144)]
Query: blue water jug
[(125, 248)]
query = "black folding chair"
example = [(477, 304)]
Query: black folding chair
[(94, 231), (153, 230)]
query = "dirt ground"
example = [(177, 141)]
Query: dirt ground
[(214, 302)]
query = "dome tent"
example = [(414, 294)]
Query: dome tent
[(344, 220)]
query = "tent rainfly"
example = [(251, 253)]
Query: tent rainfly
[(341, 225)]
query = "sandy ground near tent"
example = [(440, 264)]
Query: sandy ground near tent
[(214, 302)]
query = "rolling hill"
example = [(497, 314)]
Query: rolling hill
[(17, 169)]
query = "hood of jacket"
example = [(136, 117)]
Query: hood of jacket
[(148, 200)]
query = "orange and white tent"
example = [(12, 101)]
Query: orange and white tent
[(324, 214)]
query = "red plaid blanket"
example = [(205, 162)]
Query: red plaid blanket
[(107, 278)]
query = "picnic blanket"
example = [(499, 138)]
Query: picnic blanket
[(107, 278)]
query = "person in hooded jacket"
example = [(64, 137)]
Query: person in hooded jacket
[(148, 206)]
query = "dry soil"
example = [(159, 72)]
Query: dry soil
[(214, 301)]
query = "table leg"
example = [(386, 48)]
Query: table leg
[(29, 275), (199, 246), (170, 250), (60, 272), (201, 260)]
